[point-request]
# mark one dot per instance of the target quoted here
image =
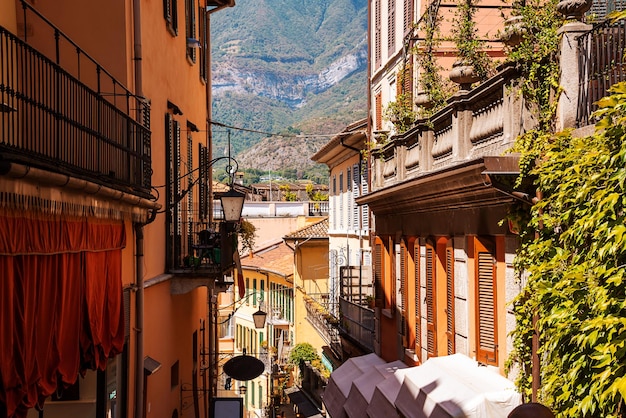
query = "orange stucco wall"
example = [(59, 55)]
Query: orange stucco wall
[(7, 16), (170, 321)]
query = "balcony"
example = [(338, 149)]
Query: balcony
[(357, 323), (199, 249), (63, 112), (318, 314), (478, 123)]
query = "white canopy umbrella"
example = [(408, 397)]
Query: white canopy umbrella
[(455, 386)]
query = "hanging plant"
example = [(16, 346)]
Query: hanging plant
[(400, 112), (433, 90), (470, 48)]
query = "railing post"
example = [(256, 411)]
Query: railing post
[(461, 126), (570, 74)]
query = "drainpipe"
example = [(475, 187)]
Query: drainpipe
[(139, 321), (534, 359), (139, 272)]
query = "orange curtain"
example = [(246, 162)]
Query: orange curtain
[(60, 303)]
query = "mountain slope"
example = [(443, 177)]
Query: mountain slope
[(287, 65)]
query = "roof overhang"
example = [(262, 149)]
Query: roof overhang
[(487, 181), (349, 142)]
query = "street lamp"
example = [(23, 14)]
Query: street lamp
[(259, 318), (232, 205)]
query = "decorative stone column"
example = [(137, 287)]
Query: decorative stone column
[(570, 72)]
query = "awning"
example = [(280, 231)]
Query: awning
[(340, 382), (383, 402), (363, 387), (455, 386)]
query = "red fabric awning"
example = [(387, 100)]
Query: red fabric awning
[(61, 309)]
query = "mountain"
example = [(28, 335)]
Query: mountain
[(290, 67)]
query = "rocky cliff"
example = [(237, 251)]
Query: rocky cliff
[(287, 65)]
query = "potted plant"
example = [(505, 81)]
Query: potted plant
[(400, 113), (473, 63)]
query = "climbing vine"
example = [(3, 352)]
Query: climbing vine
[(430, 81), (575, 267), (470, 48), (573, 240)]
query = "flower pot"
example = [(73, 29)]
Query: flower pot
[(463, 74), (423, 100), (514, 31), (573, 9)]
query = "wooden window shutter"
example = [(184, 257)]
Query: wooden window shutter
[(407, 81), (418, 299), (487, 346), (391, 27), (377, 33), (379, 111), (450, 300), (402, 294), (203, 177), (356, 178), (408, 15), (365, 214), (431, 302), (378, 269)]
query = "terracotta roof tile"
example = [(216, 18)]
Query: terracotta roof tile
[(277, 258), (317, 230)]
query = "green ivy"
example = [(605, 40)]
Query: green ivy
[(430, 80), (400, 112), (573, 240), (537, 58), (470, 48), (575, 269)]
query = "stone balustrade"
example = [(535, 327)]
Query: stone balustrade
[(480, 122)]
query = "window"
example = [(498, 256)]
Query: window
[(203, 156), (190, 27), (254, 292), (431, 301), (391, 27), (203, 43), (486, 286), (417, 316), (355, 195), (171, 15), (408, 16), (365, 216), (403, 294), (382, 283), (173, 203), (379, 111), (174, 377), (450, 328)]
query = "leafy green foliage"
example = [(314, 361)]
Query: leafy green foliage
[(400, 113), (470, 48), (575, 268), (536, 57), (430, 80), (302, 352), (247, 234)]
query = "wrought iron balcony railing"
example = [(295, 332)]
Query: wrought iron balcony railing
[(357, 322), (62, 111), (601, 64), (318, 314), (197, 248)]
